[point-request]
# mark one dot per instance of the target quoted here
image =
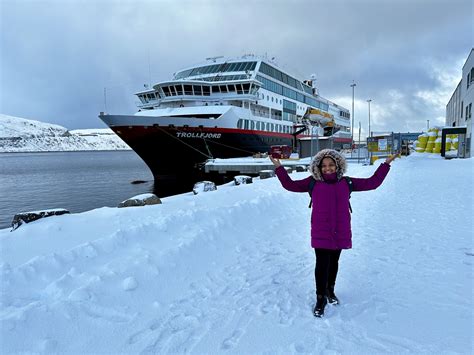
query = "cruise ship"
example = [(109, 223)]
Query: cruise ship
[(224, 108)]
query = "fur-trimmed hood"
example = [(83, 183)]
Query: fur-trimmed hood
[(341, 164)]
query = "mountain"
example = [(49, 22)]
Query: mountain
[(22, 135)]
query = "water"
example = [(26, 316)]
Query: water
[(76, 181)]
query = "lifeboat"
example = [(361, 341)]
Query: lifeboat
[(321, 117)]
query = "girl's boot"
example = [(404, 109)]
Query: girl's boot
[(321, 303), (332, 298)]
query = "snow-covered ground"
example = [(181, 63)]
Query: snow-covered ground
[(231, 271), (22, 135)]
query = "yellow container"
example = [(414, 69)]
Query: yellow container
[(420, 150), (432, 136), (422, 140), (429, 147), (448, 144), (373, 158), (455, 144), (437, 146)]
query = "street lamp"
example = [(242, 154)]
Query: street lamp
[(105, 100), (370, 135), (369, 101), (427, 124), (352, 129)]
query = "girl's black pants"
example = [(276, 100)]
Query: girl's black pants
[(325, 272)]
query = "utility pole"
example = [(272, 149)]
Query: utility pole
[(370, 135), (105, 100), (369, 101), (353, 85), (358, 146)]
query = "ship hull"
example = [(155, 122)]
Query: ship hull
[(176, 155)]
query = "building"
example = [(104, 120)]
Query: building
[(459, 107)]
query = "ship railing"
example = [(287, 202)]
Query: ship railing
[(211, 97)]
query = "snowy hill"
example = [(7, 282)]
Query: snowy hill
[(22, 135), (231, 271)]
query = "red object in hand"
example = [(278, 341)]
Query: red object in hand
[(280, 151)]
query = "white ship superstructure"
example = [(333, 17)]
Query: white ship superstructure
[(223, 109)]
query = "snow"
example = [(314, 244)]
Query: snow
[(22, 135), (141, 197), (231, 271)]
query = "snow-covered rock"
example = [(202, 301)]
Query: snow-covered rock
[(22, 135), (204, 186), (141, 200), (26, 217), (242, 180)]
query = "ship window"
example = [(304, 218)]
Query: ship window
[(231, 88), (246, 124), (246, 88), (179, 89), (197, 90), (206, 90), (223, 88), (188, 90), (215, 89), (166, 89), (252, 125), (239, 123), (239, 88), (233, 67)]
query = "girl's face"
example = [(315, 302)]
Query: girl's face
[(328, 166)]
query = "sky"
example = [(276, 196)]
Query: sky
[(58, 58)]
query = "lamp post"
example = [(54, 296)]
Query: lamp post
[(369, 101), (358, 146), (370, 134), (427, 124), (105, 100), (353, 85)]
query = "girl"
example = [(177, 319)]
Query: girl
[(330, 216)]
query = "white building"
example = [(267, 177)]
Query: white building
[(459, 107)]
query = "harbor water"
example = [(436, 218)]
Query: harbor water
[(76, 181)]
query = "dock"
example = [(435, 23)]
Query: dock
[(251, 166)]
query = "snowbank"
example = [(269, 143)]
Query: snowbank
[(232, 271)]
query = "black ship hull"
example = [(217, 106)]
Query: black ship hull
[(176, 155)]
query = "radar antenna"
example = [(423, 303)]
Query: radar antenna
[(214, 58)]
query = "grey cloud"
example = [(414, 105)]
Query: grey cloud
[(57, 56)]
